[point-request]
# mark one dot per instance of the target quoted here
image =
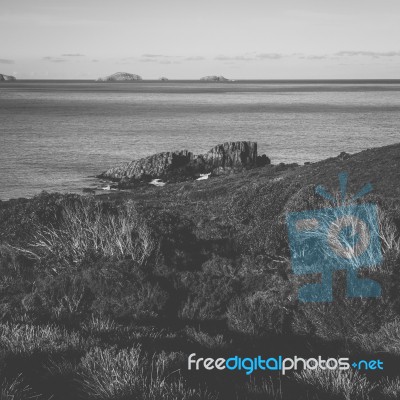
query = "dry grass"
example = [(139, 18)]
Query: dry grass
[(16, 390), (28, 339), (390, 388), (347, 385), (206, 340), (87, 226), (267, 389), (127, 374), (387, 339)]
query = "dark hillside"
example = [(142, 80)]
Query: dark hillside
[(104, 297)]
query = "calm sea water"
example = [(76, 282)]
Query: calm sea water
[(56, 135)]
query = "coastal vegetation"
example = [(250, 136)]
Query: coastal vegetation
[(104, 297)]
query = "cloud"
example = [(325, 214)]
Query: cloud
[(95, 60), (6, 61), (270, 56), (159, 61), (374, 54), (314, 57), (152, 55), (234, 58), (251, 57), (54, 59), (73, 55), (157, 56), (160, 58), (277, 56), (195, 58)]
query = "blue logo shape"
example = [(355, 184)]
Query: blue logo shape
[(345, 236)]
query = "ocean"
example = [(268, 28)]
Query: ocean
[(57, 135)]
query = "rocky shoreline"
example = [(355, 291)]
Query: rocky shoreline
[(183, 165), (6, 78)]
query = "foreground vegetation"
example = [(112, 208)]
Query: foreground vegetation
[(105, 297)]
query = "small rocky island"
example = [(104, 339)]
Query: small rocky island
[(120, 77), (214, 78), (4, 78), (183, 165)]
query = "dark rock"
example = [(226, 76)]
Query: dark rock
[(263, 160), (151, 167), (184, 165), (7, 78), (230, 155), (214, 78), (343, 156)]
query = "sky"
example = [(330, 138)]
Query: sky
[(187, 39)]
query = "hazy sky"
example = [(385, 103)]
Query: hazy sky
[(188, 39)]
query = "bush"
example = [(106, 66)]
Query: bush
[(344, 318), (263, 312), (208, 296), (386, 339), (206, 340), (90, 227), (127, 374), (29, 339), (390, 388), (109, 374), (17, 390), (124, 290), (266, 389), (348, 385)]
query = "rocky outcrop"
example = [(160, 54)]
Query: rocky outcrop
[(184, 165), (7, 78), (120, 76), (151, 167), (231, 155), (214, 78)]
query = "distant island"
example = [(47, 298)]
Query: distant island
[(127, 77), (214, 78), (7, 78), (120, 76)]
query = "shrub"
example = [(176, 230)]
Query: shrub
[(390, 388), (124, 290), (111, 374), (348, 385), (343, 318), (386, 339), (208, 296), (100, 324), (17, 390), (126, 374), (28, 339), (266, 389), (88, 227), (262, 312), (206, 340)]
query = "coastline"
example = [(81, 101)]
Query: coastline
[(158, 273)]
